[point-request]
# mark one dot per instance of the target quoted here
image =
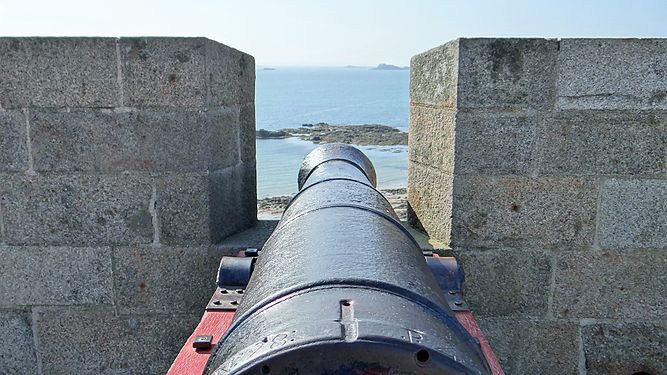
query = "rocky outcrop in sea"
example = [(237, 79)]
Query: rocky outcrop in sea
[(361, 135)]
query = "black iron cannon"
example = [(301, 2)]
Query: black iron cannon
[(341, 287)]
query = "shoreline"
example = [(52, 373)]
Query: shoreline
[(378, 137)]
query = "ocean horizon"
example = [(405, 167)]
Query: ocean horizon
[(289, 97)]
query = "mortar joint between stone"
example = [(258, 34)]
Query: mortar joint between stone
[(35, 340), (31, 162), (552, 287), (537, 150), (582, 354), (153, 210), (596, 234), (119, 75), (112, 252), (207, 92), (447, 108), (2, 225)]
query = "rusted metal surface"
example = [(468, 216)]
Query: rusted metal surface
[(450, 278), (226, 299), (342, 287)]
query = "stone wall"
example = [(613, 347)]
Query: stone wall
[(543, 164), (122, 163)]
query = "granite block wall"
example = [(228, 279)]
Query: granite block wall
[(543, 164), (122, 163)]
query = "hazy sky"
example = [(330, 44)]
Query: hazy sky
[(334, 32)]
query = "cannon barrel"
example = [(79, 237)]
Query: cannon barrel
[(341, 287)]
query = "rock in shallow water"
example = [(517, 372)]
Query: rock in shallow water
[(362, 135)]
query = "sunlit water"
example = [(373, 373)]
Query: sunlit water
[(279, 156), (290, 97)]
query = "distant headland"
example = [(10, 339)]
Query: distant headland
[(390, 67), (361, 135)]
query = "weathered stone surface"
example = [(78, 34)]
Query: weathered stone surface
[(233, 201), (557, 206), (231, 75), (434, 76), (164, 72), (633, 214), (430, 200), (612, 74), (13, 142), (185, 72), (55, 275), (507, 73), (611, 285), (533, 347), (247, 134), (204, 209), (249, 196), (132, 142), (58, 72), (431, 137), (3, 178), (604, 143), (506, 282), (81, 210), (17, 350), (494, 143), (625, 348), (518, 211), (183, 209), (112, 141), (223, 138), (164, 279), (96, 341)]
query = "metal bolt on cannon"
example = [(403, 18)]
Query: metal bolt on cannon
[(340, 287)]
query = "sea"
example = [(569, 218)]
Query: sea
[(288, 97)]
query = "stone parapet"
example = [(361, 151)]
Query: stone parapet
[(123, 163), (541, 163)]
